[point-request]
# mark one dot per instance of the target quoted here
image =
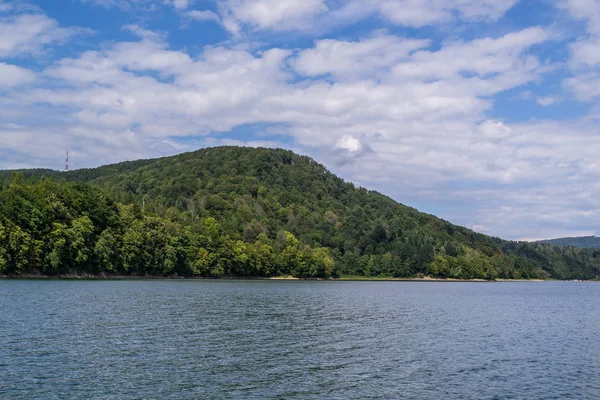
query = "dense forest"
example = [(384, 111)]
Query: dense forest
[(584, 242), (234, 211)]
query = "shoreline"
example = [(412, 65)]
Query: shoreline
[(81, 277)]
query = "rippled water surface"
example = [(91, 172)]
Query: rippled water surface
[(298, 340)]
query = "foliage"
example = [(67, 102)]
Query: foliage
[(585, 242), (245, 212)]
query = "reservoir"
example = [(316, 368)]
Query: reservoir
[(298, 340)]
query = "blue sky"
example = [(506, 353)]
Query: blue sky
[(484, 112)]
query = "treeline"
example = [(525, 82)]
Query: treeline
[(585, 242), (246, 212), (55, 228)]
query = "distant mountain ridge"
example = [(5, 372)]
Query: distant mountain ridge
[(583, 242)]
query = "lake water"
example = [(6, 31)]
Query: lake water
[(298, 340)]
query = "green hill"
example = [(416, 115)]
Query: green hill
[(584, 242), (246, 212), (28, 173)]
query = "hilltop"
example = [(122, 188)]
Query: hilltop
[(584, 242), (245, 212)]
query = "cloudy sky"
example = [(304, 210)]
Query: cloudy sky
[(484, 112)]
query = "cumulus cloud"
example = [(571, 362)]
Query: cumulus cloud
[(486, 58), (355, 59), (587, 10), (224, 88), (418, 13), (494, 130), (349, 144), (270, 14), (314, 14), (585, 86), (25, 34), (585, 52), (28, 33), (239, 16), (181, 4), (585, 59), (11, 76), (205, 15), (562, 188)]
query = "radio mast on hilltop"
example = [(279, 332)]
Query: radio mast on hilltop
[(67, 162)]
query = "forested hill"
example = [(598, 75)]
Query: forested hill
[(245, 212), (584, 242)]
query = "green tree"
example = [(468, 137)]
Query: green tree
[(23, 251), (108, 251), (3, 248)]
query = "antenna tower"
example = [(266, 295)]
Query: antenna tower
[(67, 162)]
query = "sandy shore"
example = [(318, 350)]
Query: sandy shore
[(274, 278)]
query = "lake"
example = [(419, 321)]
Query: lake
[(299, 340)]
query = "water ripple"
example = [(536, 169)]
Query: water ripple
[(298, 340)]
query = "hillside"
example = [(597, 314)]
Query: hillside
[(584, 242), (28, 173), (248, 212)]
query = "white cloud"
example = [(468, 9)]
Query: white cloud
[(585, 61), (181, 4), (486, 58), (213, 93), (585, 86), (318, 14), (548, 100), (143, 33), (585, 52), (355, 59), (494, 130), (206, 15), (226, 87), (587, 10), (11, 76), (418, 13), (270, 14), (349, 143), (238, 16), (29, 33)]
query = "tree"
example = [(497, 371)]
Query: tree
[(289, 259), (3, 248), (23, 251), (325, 266), (80, 241), (58, 258), (261, 256), (108, 251)]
